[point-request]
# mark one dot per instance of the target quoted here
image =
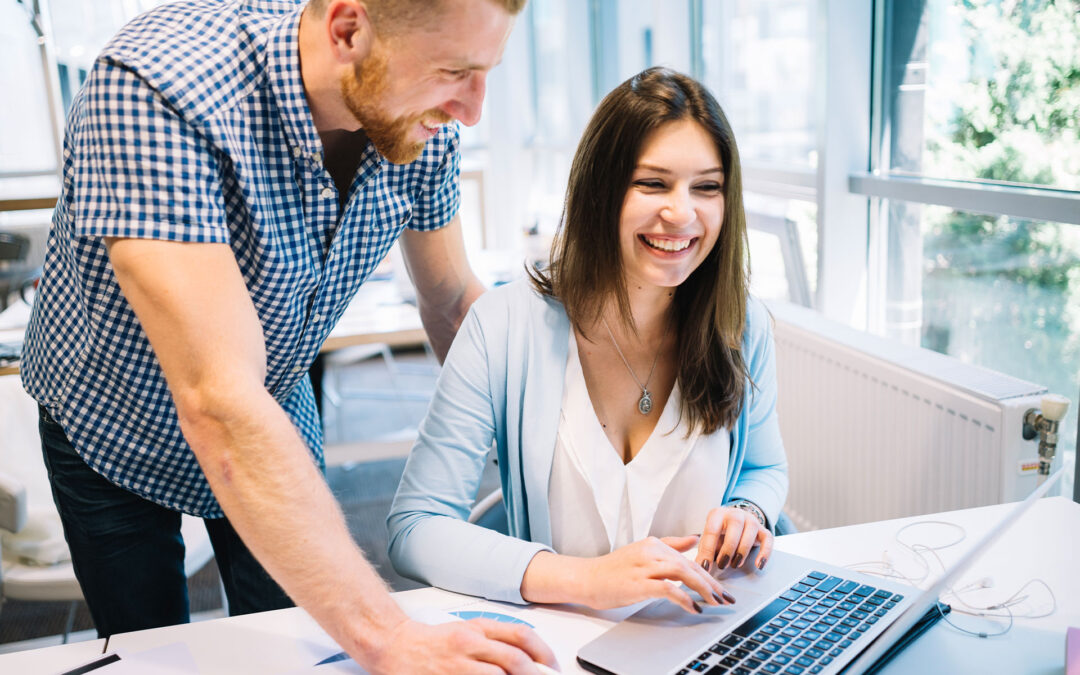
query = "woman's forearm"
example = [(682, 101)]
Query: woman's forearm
[(553, 578)]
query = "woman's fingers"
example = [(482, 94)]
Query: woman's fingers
[(712, 538), (676, 567), (765, 539), (746, 542)]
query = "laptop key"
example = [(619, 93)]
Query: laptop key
[(846, 606), (752, 663), (731, 640), (769, 630), (801, 643), (801, 624), (826, 660), (790, 596), (811, 635), (794, 670), (770, 668), (836, 652), (719, 649), (847, 586), (804, 662), (815, 653), (781, 659), (763, 616), (871, 619), (897, 598), (883, 594), (816, 669), (844, 644), (829, 584), (817, 575), (740, 653), (717, 670), (741, 671), (790, 651), (863, 591), (811, 580), (801, 588)]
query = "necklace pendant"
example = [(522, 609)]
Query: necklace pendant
[(644, 404)]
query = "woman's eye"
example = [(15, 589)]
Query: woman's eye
[(649, 183), (711, 188)]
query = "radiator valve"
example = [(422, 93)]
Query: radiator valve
[(1044, 423)]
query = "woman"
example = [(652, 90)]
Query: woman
[(630, 388)]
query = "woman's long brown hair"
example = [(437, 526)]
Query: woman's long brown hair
[(585, 271)]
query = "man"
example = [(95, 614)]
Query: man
[(221, 203)]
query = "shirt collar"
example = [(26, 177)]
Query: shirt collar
[(282, 67)]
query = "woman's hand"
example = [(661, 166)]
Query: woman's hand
[(729, 535), (644, 570)]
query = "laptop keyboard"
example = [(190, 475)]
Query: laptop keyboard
[(801, 631)]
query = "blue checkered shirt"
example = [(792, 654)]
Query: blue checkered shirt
[(193, 126)]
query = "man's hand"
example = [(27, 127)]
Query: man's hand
[(479, 646)]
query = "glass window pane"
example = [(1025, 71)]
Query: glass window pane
[(1003, 293), (782, 236), (759, 61), (983, 89)]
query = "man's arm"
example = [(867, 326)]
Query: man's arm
[(194, 307), (445, 284)]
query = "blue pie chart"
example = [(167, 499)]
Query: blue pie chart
[(494, 616)]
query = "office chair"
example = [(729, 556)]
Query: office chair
[(23, 579)]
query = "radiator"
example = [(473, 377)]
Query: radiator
[(875, 430)]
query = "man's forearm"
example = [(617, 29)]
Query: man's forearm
[(272, 492), (443, 316)]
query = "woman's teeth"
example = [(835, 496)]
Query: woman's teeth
[(667, 244)]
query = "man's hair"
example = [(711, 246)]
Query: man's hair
[(397, 16), (586, 270)]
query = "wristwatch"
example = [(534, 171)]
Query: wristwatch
[(751, 508)]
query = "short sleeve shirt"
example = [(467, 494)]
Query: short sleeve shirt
[(192, 126)]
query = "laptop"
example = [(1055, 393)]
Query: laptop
[(798, 616)]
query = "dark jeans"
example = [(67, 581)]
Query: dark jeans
[(128, 553)]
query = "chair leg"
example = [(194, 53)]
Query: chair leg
[(70, 620)]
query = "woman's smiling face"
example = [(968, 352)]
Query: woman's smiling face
[(674, 208)]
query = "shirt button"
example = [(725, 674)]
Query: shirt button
[(327, 193), (316, 318), (297, 151), (298, 369), (316, 157)]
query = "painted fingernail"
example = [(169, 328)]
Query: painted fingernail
[(719, 600), (729, 597), (697, 607), (721, 540), (705, 564), (722, 564), (761, 563), (738, 560)]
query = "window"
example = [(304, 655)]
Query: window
[(976, 186)]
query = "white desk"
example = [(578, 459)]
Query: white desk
[(1043, 544)]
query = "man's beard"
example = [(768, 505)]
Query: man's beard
[(362, 89)]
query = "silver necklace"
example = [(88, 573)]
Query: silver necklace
[(644, 404)]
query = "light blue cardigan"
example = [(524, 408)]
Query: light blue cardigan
[(503, 382)]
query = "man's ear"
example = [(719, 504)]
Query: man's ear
[(349, 29)]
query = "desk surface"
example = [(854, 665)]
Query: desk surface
[(1043, 544)]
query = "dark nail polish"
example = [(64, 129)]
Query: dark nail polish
[(719, 600), (738, 560), (697, 608), (705, 565), (723, 561), (761, 563), (721, 540), (729, 597)]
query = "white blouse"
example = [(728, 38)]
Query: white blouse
[(599, 504)]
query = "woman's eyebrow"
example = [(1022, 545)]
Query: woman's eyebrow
[(660, 169)]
